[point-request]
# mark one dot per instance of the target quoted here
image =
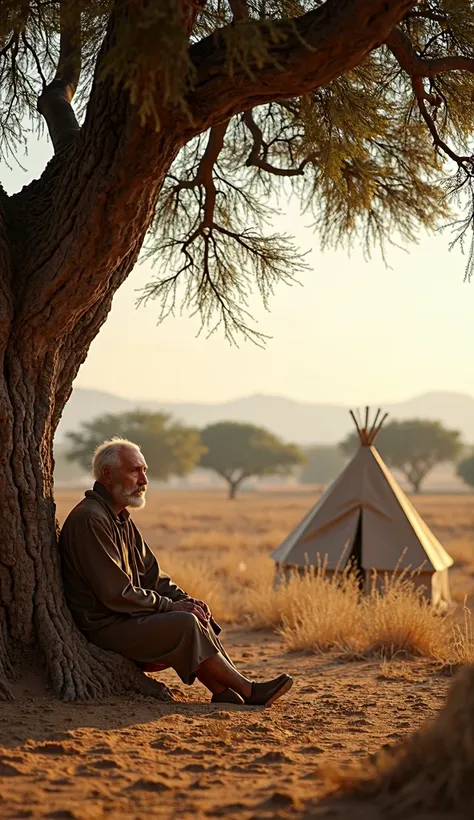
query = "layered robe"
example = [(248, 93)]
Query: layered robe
[(118, 595)]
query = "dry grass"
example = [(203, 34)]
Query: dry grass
[(398, 620), (219, 551), (393, 620), (399, 671), (321, 612)]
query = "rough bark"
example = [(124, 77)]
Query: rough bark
[(67, 242), (33, 611)]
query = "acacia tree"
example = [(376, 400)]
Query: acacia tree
[(465, 470), (187, 112), (237, 451), (169, 447)]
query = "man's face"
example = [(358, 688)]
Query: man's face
[(127, 483)]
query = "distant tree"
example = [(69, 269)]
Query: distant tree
[(465, 470), (238, 451), (65, 470), (323, 464), (413, 446), (169, 447)]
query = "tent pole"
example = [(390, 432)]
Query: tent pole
[(380, 425), (371, 437)]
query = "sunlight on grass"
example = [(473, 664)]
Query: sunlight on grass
[(219, 551)]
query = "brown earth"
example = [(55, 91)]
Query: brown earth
[(128, 758)]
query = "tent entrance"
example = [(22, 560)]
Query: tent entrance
[(355, 557)]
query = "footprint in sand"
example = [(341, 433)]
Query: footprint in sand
[(106, 763), (274, 757), (7, 770), (195, 767), (149, 784), (54, 749), (310, 750), (282, 799)]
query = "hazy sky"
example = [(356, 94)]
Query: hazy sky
[(354, 333)]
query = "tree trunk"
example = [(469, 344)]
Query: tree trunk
[(35, 623), (233, 486), (54, 297)]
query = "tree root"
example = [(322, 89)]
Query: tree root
[(6, 692), (79, 670), (6, 671), (432, 770)]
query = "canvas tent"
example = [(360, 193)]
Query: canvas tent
[(366, 518)]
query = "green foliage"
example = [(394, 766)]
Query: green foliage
[(169, 448), (238, 451), (367, 155), (465, 471), (151, 54), (413, 446), (323, 464)]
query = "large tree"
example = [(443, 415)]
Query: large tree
[(186, 114), (413, 446), (237, 451), (170, 448), (323, 464)]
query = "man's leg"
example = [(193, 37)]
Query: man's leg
[(179, 640), (217, 675), (220, 677)]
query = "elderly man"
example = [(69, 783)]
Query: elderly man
[(123, 602)]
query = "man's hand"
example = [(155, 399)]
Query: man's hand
[(190, 605), (203, 606)]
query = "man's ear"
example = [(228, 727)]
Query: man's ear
[(106, 473)]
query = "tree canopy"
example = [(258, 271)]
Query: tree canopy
[(361, 108), (237, 451), (323, 464), (465, 470), (413, 446), (170, 448)]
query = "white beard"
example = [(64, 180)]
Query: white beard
[(137, 501), (129, 499)]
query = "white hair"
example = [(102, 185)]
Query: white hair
[(108, 454)]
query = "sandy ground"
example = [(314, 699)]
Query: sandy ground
[(133, 757)]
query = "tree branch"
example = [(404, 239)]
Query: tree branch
[(260, 146), (239, 9), (404, 52), (54, 102), (108, 192), (279, 60), (205, 174), (419, 68)]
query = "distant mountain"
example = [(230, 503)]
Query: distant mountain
[(292, 420)]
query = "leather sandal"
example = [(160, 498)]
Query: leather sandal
[(264, 694), (227, 696)]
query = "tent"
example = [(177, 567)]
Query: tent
[(365, 518)]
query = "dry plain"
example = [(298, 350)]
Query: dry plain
[(134, 757)]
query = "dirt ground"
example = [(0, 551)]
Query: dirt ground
[(131, 758), (134, 757)]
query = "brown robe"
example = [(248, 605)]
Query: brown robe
[(118, 595)]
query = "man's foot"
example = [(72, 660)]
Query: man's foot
[(228, 696), (264, 694)]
